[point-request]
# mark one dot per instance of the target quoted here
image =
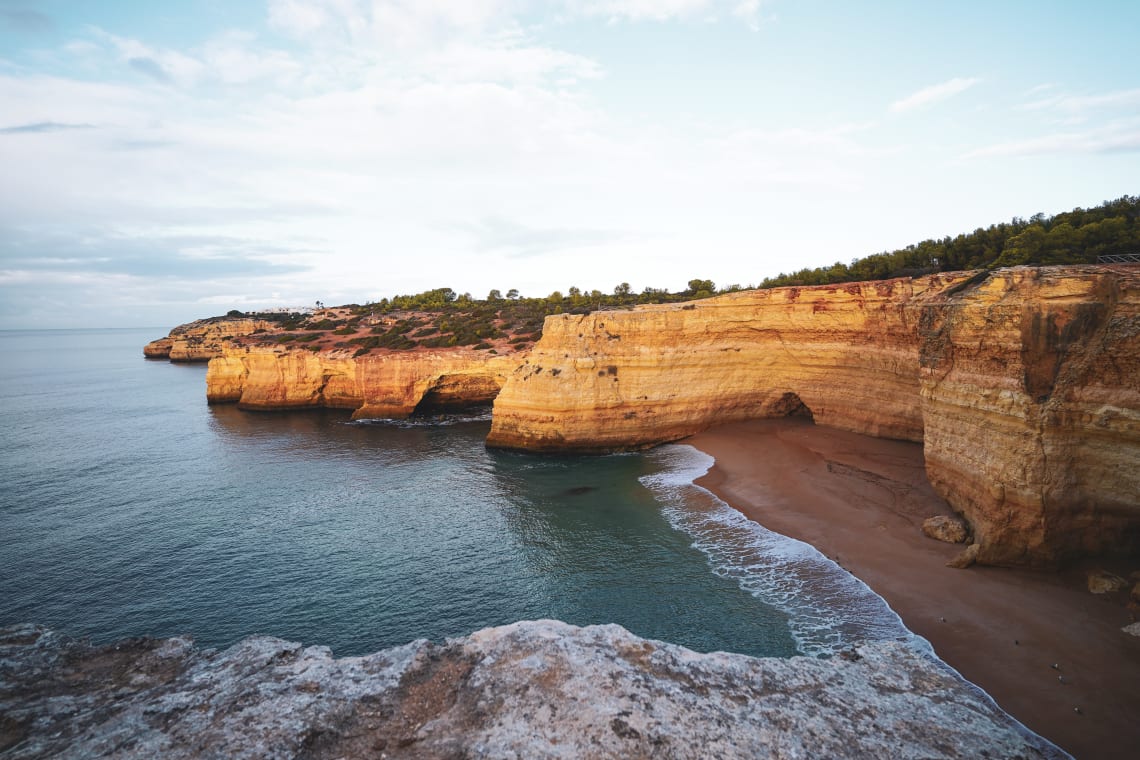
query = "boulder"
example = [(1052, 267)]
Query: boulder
[(948, 528), (1104, 582)]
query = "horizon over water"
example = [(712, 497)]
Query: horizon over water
[(130, 507)]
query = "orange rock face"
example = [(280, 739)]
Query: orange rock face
[(630, 379), (1031, 410), (1024, 387), (202, 340), (388, 385)]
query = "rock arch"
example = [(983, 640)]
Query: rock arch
[(457, 392)]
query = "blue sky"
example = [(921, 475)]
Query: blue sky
[(167, 161)]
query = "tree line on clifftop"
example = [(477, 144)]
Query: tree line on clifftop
[(1079, 236), (443, 318)]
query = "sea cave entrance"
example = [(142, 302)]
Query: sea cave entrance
[(789, 405), (451, 394)]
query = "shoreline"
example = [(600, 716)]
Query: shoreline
[(861, 501)]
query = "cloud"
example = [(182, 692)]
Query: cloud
[(493, 233), (151, 68), (25, 20), (41, 127), (1108, 140), (1084, 104), (934, 94)]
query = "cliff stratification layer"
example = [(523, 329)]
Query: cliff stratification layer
[(535, 689), (1023, 385), (381, 384), (202, 340)]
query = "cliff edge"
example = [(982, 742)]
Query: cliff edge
[(532, 689)]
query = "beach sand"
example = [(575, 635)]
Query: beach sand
[(862, 500)]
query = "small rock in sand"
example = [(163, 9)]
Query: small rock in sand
[(1132, 629), (952, 530), (1104, 582)]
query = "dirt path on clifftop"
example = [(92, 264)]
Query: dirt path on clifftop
[(862, 500)]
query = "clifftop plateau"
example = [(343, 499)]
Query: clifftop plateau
[(534, 689)]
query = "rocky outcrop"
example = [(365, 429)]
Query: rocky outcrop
[(380, 384), (1031, 410), (848, 355), (537, 689), (202, 340), (1022, 384)]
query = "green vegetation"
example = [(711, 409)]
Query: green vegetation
[(442, 318), (1074, 237)]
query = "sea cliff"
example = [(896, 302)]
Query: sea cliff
[(380, 384), (531, 689), (1023, 386), (202, 340)]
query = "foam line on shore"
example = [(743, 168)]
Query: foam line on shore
[(828, 608)]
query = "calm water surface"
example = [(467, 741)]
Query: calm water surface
[(130, 507)]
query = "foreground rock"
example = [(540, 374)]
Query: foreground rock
[(535, 689)]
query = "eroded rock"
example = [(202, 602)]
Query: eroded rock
[(1104, 582), (967, 558), (534, 689), (952, 530)]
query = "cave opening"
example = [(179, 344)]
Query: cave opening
[(790, 405), (458, 394)]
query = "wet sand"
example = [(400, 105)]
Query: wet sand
[(862, 501)]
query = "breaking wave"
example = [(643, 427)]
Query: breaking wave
[(828, 608)]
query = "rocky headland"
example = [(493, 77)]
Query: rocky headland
[(203, 339), (532, 689)]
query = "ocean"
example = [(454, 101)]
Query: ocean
[(130, 507)]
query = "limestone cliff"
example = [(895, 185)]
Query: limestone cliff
[(1031, 410), (630, 379), (381, 384), (1024, 387), (203, 339), (536, 689)]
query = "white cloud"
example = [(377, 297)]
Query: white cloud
[(934, 94), (1122, 137)]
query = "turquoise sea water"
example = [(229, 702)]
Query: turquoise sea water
[(130, 507)]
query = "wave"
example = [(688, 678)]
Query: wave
[(828, 608)]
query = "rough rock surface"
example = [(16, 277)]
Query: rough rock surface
[(536, 689), (1023, 385), (952, 530), (848, 355), (202, 340), (381, 384), (1104, 582)]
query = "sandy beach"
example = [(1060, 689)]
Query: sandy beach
[(1050, 653)]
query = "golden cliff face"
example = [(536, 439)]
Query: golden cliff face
[(1024, 389), (202, 340), (387, 385), (1031, 409), (630, 379)]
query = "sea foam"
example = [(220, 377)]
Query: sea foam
[(828, 608)]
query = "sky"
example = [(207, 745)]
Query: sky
[(166, 161)]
